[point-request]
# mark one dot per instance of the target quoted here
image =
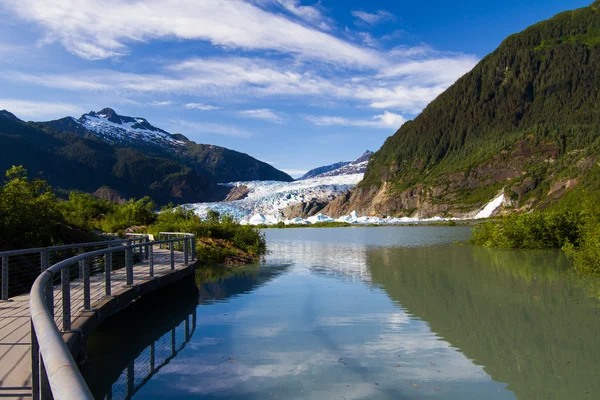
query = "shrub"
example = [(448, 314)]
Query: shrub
[(134, 212), (29, 212), (85, 210), (180, 219)]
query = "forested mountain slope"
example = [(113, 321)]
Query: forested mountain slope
[(71, 162), (525, 120)]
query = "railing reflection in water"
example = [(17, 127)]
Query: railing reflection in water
[(152, 359)]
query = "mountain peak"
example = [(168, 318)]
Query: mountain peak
[(8, 115), (109, 112)]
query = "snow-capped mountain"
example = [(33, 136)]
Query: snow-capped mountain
[(137, 133), (110, 126), (358, 166), (321, 170)]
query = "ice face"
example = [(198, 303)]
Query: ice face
[(266, 201)]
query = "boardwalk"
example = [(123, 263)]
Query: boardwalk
[(15, 360)]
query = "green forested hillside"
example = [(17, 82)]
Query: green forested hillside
[(526, 119)]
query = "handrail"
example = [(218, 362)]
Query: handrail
[(44, 257), (50, 356)]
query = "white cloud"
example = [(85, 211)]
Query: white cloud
[(161, 103), (265, 114), (97, 29), (385, 120), (211, 128), (39, 110), (200, 106), (408, 86), (310, 14), (374, 19)]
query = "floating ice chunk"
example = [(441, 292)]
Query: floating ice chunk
[(257, 219), (319, 218)]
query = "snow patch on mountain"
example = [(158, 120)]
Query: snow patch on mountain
[(112, 127)]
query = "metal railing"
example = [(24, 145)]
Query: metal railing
[(53, 367), (20, 268)]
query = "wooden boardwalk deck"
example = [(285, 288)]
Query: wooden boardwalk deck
[(15, 340)]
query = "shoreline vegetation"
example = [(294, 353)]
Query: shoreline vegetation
[(32, 215), (573, 228)]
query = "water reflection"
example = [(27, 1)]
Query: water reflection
[(522, 315), (366, 313), (134, 345)]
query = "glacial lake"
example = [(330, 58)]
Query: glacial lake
[(361, 313)]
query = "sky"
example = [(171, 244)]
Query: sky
[(295, 83)]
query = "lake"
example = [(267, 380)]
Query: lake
[(361, 313)]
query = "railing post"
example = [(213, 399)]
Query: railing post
[(129, 263), (43, 382), (44, 259), (172, 255), (5, 278), (151, 260), (173, 342), (130, 380), (35, 363), (152, 356), (193, 239), (107, 272), (87, 304), (147, 240), (65, 279), (80, 251), (185, 252), (187, 328)]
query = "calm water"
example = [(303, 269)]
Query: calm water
[(361, 313)]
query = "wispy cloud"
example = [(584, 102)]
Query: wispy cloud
[(39, 109), (211, 129), (407, 86), (161, 103), (386, 120), (265, 114), (373, 19), (97, 29), (200, 106), (311, 14)]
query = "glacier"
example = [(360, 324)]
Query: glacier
[(266, 201)]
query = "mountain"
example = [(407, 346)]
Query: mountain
[(321, 170), (113, 128), (135, 132), (123, 157), (524, 122), (357, 166)]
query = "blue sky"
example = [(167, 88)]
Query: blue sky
[(296, 83)]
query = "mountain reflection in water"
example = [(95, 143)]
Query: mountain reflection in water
[(385, 313)]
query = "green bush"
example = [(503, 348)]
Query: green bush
[(180, 219), (539, 230), (29, 212), (85, 210), (576, 232), (586, 256), (133, 213)]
